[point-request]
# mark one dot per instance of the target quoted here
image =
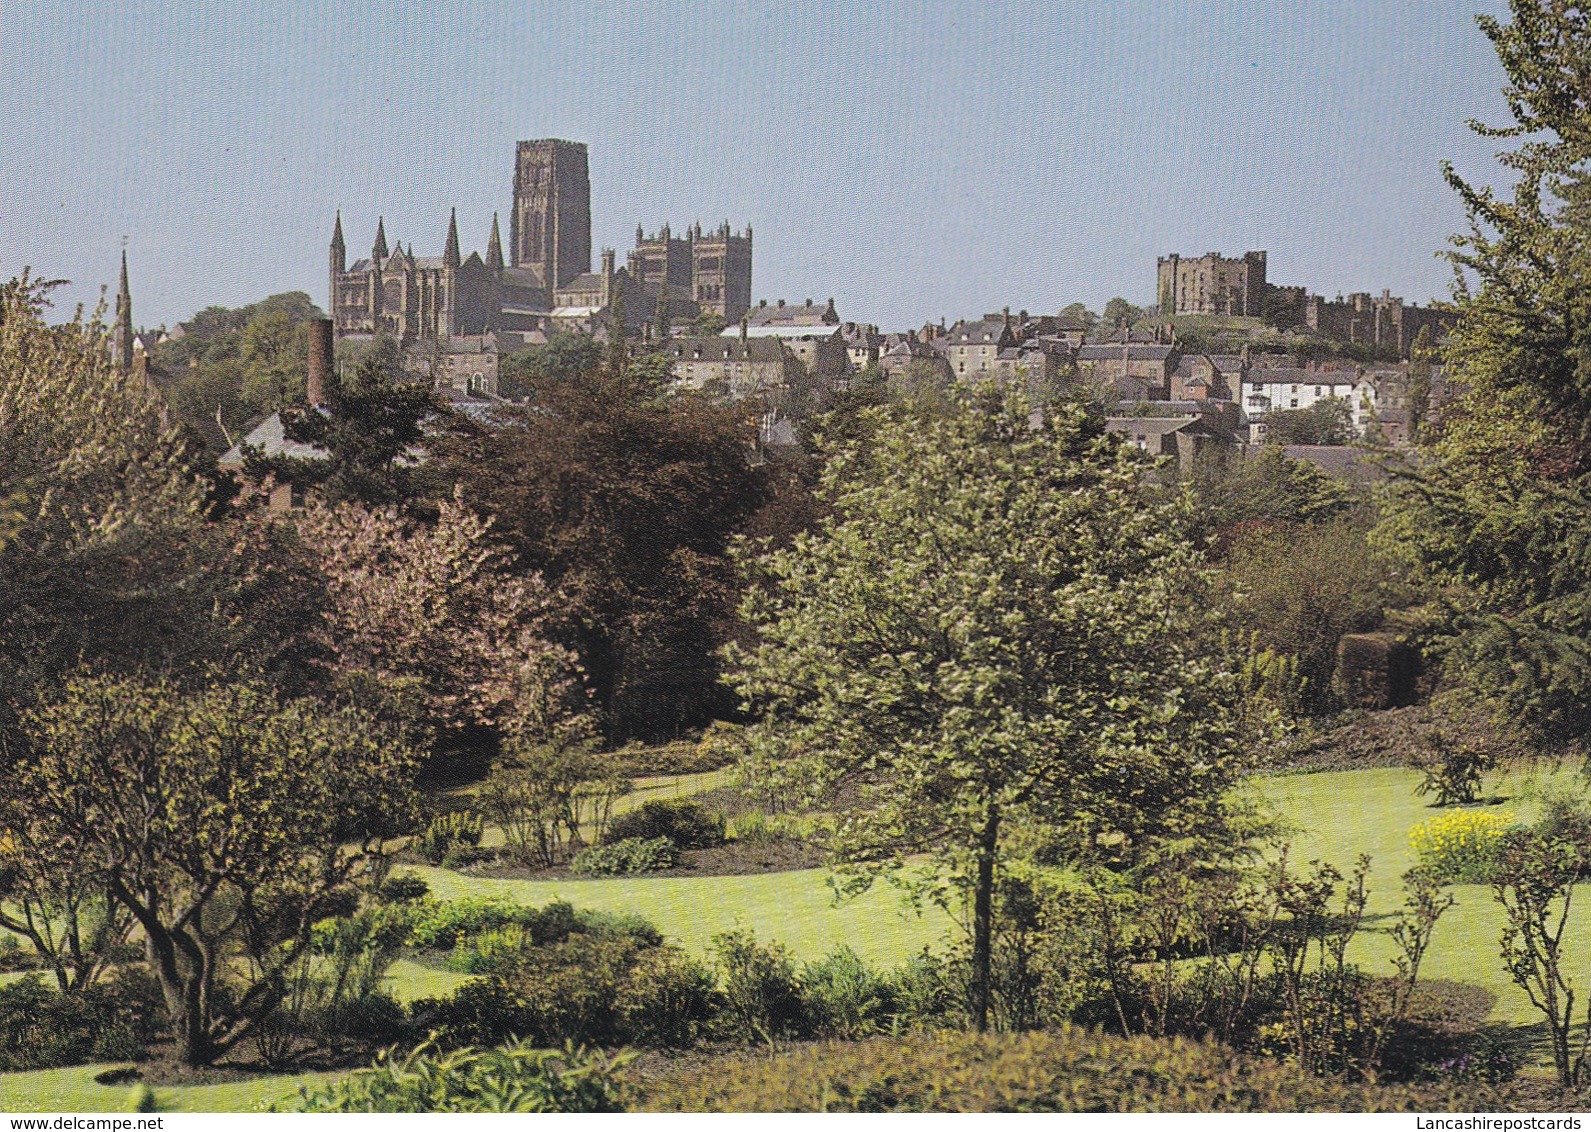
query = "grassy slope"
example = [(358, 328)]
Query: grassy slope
[(1339, 815)]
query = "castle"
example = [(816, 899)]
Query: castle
[(546, 283), (1214, 284)]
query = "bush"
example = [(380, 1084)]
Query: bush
[(41, 1028), (844, 998), (668, 1000), (403, 888), (624, 858), (448, 833), (1069, 1070), (516, 1078), (442, 925), (929, 993), (1461, 846), (1453, 771), (762, 999), (566, 992), (376, 1019), (681, 820)]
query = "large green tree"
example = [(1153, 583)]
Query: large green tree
[(1002, 622), (1497, 511), (225, 821), (624, 502)]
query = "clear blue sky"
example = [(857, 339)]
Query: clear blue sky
[(912, 160)]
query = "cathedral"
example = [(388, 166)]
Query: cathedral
[(546, 283)]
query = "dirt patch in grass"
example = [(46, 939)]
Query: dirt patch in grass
[(1362, 740)]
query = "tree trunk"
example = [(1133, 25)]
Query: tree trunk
[(983, 921)]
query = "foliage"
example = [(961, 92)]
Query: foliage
[(1268, 486), (1463, 846), (369, 431), (1496, 511), (565, 357), (1299, 590), (1068, 1070), (1002, 623), (514, 1078), (1453, 768), (843, 998), (624, 503), (224, 819), (1534, 879), (45, 1029), (548, 797), (235, 366), (668, 1001), (761, 991), (448, 832), (682, 821), (1327, 421), (105, 555), (625, 858)]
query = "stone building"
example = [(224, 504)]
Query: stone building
[(710, 270), (972, 348), (1381, 321), (737, 366), (549, 229), (1212, 284), (409, 297), (1139, 371)]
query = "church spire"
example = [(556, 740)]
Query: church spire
[(339, 250), (379, 251), (124, 321), (450, 255), (494, 248)]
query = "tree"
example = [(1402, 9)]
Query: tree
[(239, 364), (1269, 486), (225, 821), (371, 433), (624, 503), (564, 358), (1001, 623), (1327, 421), (1118, 313), (436, 609), (1497, 511), (1422, 352)]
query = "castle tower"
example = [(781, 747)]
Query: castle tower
[(549, 229), (494, 249), (123, 340)]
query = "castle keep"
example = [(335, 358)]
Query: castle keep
[(546, 281)]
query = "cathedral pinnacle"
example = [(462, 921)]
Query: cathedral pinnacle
[(450, 255), (379, 251), (494, 248), (124, 321)]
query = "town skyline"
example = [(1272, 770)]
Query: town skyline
[(907, 195)]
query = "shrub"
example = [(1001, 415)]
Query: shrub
[(929, 992), (668, 1000), (844, 998), (563, 992), (442, 924), (516, 1078), (681, 820), (375, 1018), (41, 1028), (1460, 846), (403, 888), (1069, 1070), (762, 998), (447, 833), (1453, 771), (627, 857)]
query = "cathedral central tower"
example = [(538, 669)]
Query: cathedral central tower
[(549, 228)]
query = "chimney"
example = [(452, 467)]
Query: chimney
[(320, 362)]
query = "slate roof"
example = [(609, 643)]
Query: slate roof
[(808, 313), (270, 436), (1115, 351), (763, 348), (984, 331)]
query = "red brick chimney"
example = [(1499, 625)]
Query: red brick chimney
[(320, 362)]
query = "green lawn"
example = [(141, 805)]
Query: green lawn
[(75, 1090), (795, 908), (1336, 816)]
